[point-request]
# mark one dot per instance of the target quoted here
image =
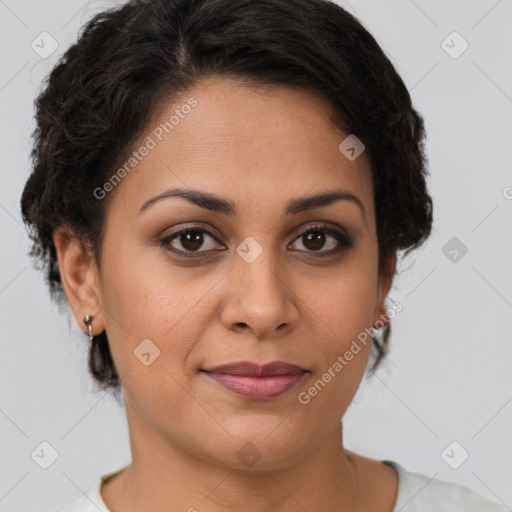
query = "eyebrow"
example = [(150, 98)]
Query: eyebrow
[(215, 203)]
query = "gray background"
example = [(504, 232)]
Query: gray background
[(448, 375)]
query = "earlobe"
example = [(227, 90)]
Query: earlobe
[(79, 276)]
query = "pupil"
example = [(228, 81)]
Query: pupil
[(192, 240), (317, 240)]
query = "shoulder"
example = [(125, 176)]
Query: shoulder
[(418, 492), (91, 501)]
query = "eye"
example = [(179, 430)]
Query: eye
[(315, 238), (190, 240)]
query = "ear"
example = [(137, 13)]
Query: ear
[(79, 276), (383, 287)]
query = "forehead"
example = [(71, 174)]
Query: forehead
[(245, 142)]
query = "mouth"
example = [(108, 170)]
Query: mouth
[(257, 382)]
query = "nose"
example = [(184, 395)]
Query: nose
[(260, 301)]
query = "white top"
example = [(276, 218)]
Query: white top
[(416, 493)]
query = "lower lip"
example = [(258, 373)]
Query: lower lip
[(257, 388)]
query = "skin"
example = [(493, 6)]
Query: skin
[(259, 148)]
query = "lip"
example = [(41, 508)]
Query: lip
[(257, 382)]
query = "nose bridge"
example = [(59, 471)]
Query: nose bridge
[(259, 296), (258, 267), (261, 259)]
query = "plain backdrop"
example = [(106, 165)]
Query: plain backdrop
[(447, 378)]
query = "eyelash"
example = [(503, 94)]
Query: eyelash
[(344, 241)]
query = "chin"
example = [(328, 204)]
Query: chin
[(258, 448)]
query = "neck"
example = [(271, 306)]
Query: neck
[(162, 473)]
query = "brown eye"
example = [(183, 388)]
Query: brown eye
[(189, 240), (314, 241), (196, 242), (331, 241)]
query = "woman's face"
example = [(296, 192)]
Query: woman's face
[(251, 281)]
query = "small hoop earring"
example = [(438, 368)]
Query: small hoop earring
[(88, 323)]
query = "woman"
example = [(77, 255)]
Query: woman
[(220, 190)]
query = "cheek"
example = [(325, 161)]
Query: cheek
[(143, 291), (143, 305), (347, 307), (344, 316), (341, 359)]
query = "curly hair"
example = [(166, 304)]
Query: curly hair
[(107, 86)]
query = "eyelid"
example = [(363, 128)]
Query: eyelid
[(322, 225)]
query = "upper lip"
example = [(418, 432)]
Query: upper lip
[(255, 370)]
